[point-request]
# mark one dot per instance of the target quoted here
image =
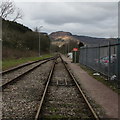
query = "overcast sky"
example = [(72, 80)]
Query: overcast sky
[(97, 19)]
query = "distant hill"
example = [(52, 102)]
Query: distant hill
[(59, 38), (94, 41), (54, 35)]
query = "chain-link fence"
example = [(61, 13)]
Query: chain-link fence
[(104, 59)]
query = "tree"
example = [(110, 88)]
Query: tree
[(19, 15), (7, 8)]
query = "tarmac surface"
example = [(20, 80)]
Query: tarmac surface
[(103, 95)]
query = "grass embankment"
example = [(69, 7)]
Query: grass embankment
[(6, 64), (111, 84)]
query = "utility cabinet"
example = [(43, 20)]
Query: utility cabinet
[(76, 56)]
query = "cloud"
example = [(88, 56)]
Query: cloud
[(87, 18), (66, 0)]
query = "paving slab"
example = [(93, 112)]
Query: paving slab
[(103, 95)]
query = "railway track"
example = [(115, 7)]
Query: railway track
[(62, 97), (51, 91), (20, 99), (12, 75), (23, 66)]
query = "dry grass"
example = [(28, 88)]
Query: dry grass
[(9, 53), (12, 57)]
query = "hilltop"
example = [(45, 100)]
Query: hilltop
[(60, 38), (14, 26)]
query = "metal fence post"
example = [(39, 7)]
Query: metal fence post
[(118, 59), (99, 58), (75, 56), (86, 54), (81, 56), (109, 59)]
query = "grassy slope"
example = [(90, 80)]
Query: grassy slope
[(6, 64)]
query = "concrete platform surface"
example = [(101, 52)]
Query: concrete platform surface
[(102, 95)]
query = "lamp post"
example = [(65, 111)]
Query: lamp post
[(39, 39)]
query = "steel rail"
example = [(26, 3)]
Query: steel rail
[(23, 65), (21, 75), (44, 93), (80, 90)]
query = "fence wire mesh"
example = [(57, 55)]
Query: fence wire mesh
[(103, 59)]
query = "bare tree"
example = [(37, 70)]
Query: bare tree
[(19, 15), (8, 8)]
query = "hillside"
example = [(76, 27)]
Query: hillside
[(14, 25), (59, 38), (20, 41)]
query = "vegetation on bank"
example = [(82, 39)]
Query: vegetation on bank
[(6, 64), (20, 44), (20, 38), (111, 84)]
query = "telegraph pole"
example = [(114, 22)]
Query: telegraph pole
[(39, 40)]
